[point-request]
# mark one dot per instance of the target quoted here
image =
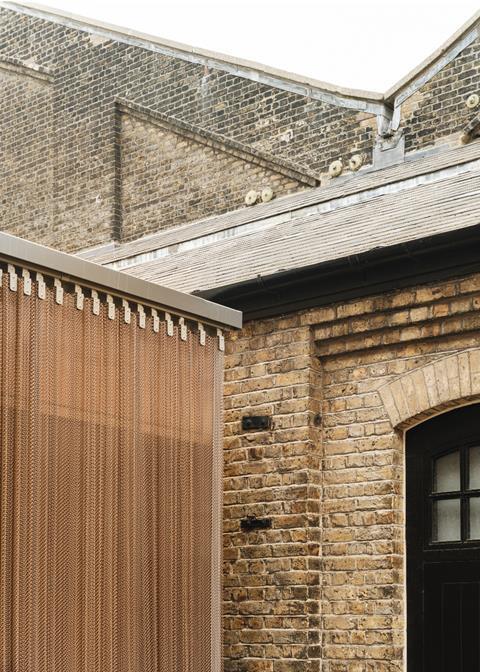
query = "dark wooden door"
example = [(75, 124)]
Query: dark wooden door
[(443, 543)]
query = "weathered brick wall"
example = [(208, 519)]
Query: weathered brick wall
[(271, 609), (25, 154), (168, 179), (438, 109), (89, 73), (64, 152), (353, 612)]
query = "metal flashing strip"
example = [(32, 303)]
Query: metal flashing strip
[(402, 84), (78, 271), (254, 71), (321, 208), (435, 69)]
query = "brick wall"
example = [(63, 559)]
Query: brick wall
[(82, 201), (25, 151), (167, 178), (324, 586), (65, 151), (271, 608), (438, 110), (292, 603)]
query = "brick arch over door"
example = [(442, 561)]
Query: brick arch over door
[(432, 388)]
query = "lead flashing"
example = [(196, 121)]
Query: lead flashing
[(74, 269), (438, 65), (365, 101), (397, 88), (312, 210)]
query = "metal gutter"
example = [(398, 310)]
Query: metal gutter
[(74, 269), (431, 259)]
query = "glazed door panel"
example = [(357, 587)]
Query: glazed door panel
[(443, 543)]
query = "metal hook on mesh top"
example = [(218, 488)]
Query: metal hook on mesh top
[(80, 298), (95, 302), (221, 340), (12, 278), (27, 282), (141, 316), (111, 307), (156, 320), (58, 291), (41, 286), (201, 331), (127, 312), (183, 329), (169, 321)]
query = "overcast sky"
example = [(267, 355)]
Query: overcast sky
[(363, 44)]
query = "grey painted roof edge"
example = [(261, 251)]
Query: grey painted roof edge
[(370, 101), (397, 88), (20, 251), (367, 101)]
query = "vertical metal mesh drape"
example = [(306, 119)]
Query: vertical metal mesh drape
[(110, 482)]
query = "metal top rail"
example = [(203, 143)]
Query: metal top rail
[(71, 268)]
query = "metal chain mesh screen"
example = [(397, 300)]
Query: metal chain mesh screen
[(110, 491)]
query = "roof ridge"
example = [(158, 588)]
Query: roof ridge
[(402, 83)]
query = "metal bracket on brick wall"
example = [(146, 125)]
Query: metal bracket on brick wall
[(252, 524), (256, 422), (389, 152)]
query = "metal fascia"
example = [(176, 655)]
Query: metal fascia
[(75, 269)]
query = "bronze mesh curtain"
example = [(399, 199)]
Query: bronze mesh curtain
[(110, 482)]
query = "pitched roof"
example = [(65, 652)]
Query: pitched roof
[(364, 184), (434, 195)]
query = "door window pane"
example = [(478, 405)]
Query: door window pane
[(446, 520), (446, 473), (474, 479), (475, 518)]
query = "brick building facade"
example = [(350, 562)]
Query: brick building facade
[(359, 282)]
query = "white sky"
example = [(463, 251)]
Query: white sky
[(365, 44)]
